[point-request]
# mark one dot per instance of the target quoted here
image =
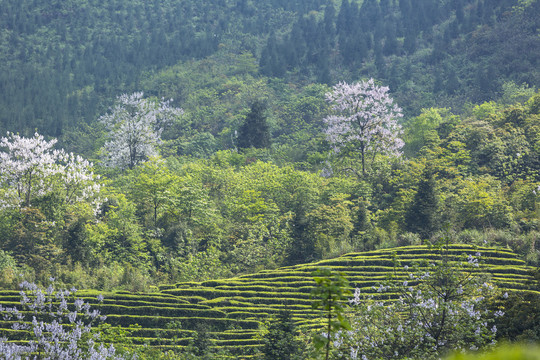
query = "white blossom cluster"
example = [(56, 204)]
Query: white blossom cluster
[(436, 311), (59, 326), (365, 118), (26, 164), (78, 181), (31, 168), (135, 125)]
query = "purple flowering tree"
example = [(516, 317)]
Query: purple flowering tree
[(59, 326), (365, 121), (439, 309)]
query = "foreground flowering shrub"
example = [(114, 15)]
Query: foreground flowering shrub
[(58, 326), (441, 307)]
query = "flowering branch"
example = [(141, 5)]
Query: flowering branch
[(59, 326)]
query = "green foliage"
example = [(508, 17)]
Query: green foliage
[(8, 269), (254, 131), (439, 308), (523, 351), (331, 291), (421, 217), (208, 212), (279, 340), (522, 320)]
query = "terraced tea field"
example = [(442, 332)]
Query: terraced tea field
[(233, 309)]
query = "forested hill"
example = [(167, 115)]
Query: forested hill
[(63, 62)]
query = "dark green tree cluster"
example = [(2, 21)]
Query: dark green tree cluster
[(254, 132), (280, 342), (62, 64), (453, 49)]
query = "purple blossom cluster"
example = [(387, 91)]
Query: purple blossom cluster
[(438, 310), (58, 330)]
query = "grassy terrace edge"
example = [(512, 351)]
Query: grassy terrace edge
[(234, 309)]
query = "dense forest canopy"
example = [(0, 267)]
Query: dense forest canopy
[(221, 144), (63, 62), (234, 153)]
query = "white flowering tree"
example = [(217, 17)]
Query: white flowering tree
[(31, 168), (57, 326), (365, 121), (439, 309), (135, 125), (25, 166)]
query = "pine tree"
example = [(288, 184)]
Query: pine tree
[(421, 216), (279, 342), (255, 132)]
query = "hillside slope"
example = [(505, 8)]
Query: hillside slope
[(233, 309), (62, 63)]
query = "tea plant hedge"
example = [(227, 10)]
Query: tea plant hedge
[(233, 310)]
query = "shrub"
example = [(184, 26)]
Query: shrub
[(60, 326), (513, 352)]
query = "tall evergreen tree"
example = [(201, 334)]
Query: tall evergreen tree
[(255, 132), (279, 343), (421, 218)]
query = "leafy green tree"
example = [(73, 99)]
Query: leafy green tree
[(330, 294), (152, 187), (8, 269), (330, 226), (417, 131), (31, 244)]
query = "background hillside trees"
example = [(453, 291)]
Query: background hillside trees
[(72, 59), (236, 212)]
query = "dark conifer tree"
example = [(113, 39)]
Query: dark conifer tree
[(271, 62), (329, 19), (390, 43), (255, 132), (409, 44), (421, 218), (279, 342), (380, 64), (452, 84), (362, 222), (437, 82), (344, 24), (460, 15)]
